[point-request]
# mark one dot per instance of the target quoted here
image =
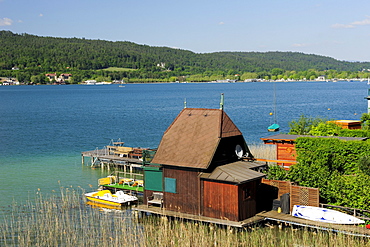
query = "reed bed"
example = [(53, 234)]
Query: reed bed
[(263, 151), (64, 219)]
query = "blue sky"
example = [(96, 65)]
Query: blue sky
[(338, 29)]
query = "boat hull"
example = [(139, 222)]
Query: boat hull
[(324, 215), (105, 197), (105, 202)]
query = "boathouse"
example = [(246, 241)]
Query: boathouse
[(285, 146), (204, 167)]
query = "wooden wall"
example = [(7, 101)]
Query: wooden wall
[(220, 200), (248, 203), (282, 186), (187, 196), (299, 195), (285, 151), (229, 201), (304, 196)]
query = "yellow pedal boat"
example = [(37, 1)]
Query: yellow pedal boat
[(106, 197)]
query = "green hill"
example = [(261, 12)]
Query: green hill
[(35, 55)]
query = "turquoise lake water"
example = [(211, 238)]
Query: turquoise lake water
[(44, 129)]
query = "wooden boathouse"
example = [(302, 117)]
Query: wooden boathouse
[(203, 167), (285, 146), (204, 171)]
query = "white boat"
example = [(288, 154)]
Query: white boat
[(324, 215), (106, 197)]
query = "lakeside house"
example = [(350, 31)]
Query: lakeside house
[(62, 78), (51, 77), (203, 166), (6, 81)]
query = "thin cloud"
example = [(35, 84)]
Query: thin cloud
[(41, 15), (221, 23), (6, 22), (353, 24), (362, 23), (337, 25), (301, 45)]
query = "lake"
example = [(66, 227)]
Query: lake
[(44, 129)]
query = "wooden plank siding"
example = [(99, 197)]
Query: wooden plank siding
[(299, 195), (283, 186), (187, 196), (248, 199), (304, 196), (229, 201), (220, 200), (286, 151)]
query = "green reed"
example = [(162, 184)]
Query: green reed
[(64, 219)]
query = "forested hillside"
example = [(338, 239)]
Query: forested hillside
[(85, 59)]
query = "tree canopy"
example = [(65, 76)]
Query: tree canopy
[(35, 55)]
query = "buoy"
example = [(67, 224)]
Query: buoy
[(328, 109), (271, 113), (279, 210)]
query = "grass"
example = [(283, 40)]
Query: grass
[(64, 219)]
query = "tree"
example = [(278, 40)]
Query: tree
[(303, 125), (365, 121), (325, 129)]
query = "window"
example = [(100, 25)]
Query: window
[(170, 185)]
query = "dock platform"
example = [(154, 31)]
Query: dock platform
[(102, 157), (289, 219), (162, 212), (353, 230)]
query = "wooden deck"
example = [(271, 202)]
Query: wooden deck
[(287, 218), (176, 215), (102, 155), (263, 216)]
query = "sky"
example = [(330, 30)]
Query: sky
[(339, 29)]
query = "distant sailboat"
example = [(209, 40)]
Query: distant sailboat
[(274, 127), (368, 81)]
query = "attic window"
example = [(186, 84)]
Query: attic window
[(206, 115)]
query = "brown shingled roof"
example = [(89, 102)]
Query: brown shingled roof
[(193, 137)]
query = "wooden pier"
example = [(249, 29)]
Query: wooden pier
[(291, 220), (119, 156), (273, 216), (177, 215), (104, 158)]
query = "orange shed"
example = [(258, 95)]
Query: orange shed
[(285, 146)]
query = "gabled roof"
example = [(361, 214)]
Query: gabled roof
[(237, 172), (193, 137)]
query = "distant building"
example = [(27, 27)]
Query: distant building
[(61, 79), (64, 77), (51, 77), (5, 81), (321, 78)]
